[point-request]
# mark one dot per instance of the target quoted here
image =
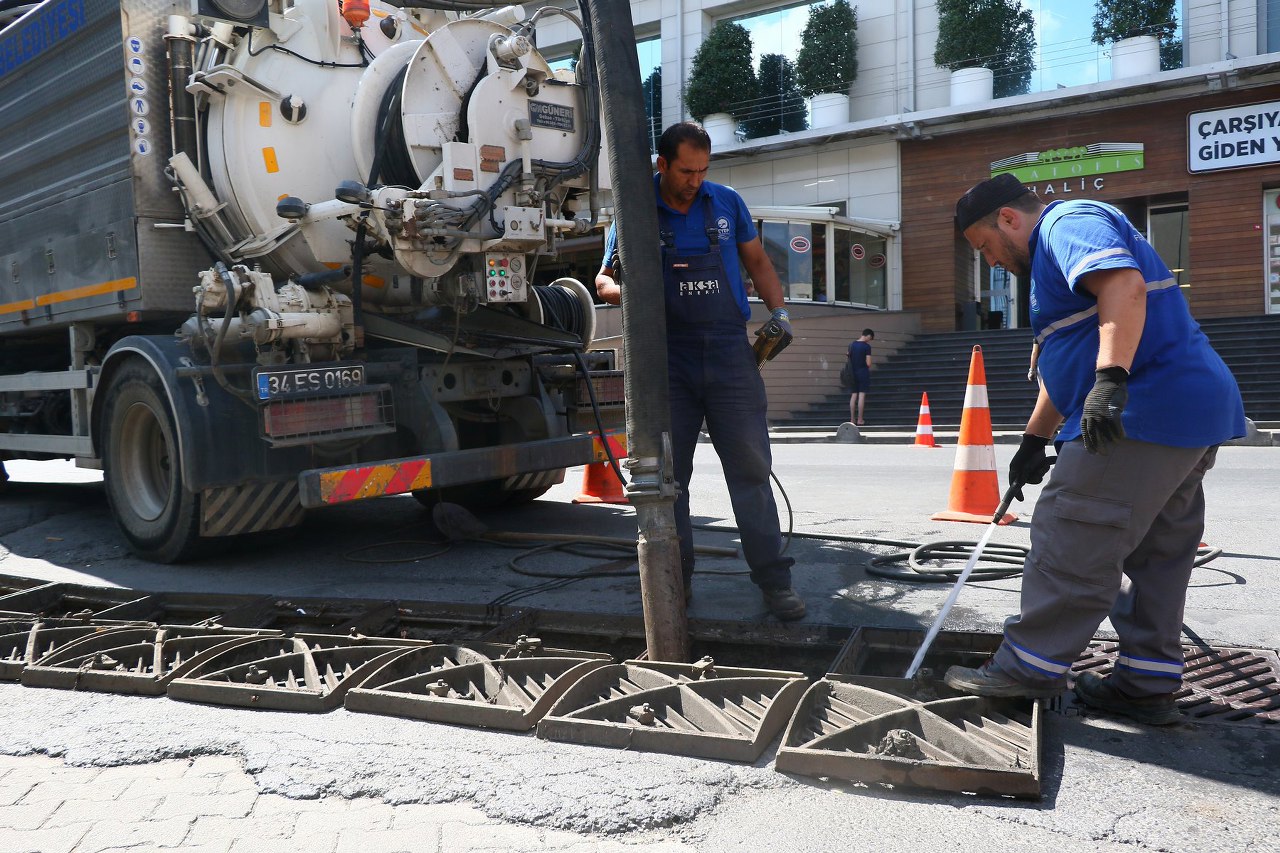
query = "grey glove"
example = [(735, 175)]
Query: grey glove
[(1029, 464), (1101, 424)]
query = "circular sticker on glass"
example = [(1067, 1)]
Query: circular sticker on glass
[(137, 86), (139, 106), (141, 126), (136, 65), (800, 245), (877, 261), (142, 146), (858, 251), (135, 45)]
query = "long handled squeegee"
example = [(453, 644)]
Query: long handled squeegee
[(964, 576)]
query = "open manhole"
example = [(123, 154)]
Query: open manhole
[(66, 601), (140, 660), (695, 709), (477, 684), (1220, 684), (913, 733), (307, 672)]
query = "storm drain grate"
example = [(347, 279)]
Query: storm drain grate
[(1220, 684), (915, 734), (140, 660), (302, 673), (497, 686), (24, 641), (685, 709)]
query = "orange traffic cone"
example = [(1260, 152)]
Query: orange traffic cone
[(600, 485), (975, 491), (924, 429)]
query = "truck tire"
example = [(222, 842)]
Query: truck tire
[(142, 469)]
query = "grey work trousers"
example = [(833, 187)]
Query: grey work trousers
[(1137, 512)]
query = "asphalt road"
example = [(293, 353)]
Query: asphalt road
[(1109, 785)]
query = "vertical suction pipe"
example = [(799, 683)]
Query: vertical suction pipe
[(652, 490), (180, 44)]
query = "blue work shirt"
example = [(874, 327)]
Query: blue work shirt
[(1181, 393), (733, 222)]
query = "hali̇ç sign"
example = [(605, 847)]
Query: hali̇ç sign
[(1081, 164), (1234, 137)]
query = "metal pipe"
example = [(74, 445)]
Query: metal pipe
[(652, 490), (181, 44)]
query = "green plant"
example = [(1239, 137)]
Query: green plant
[(1121, 19), (780, 106), (721, 79), (995, 34), (828, 58)]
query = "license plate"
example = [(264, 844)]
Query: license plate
[(308, 380)]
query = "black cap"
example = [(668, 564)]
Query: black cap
[(987, 197)]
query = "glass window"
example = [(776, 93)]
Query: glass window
[(1271, 202), (790, 247), (1171, 238)]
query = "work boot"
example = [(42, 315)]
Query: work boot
[(784, 603), (990, 680), (1100, 694)]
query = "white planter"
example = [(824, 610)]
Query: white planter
[(827, 109), (971, 86), (720, 127), (1134, 57)]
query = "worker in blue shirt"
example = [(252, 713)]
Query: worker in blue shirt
[(1139, 401), (708, 239)]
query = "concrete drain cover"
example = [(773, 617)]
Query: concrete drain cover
[(1220, 684), (477, 684), (140, 660), (685, 709), (879, 730), (302, 673), (24, 641)]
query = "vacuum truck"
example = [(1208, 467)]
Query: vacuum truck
[(261, 256)]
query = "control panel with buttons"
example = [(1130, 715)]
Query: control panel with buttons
[(504, 277)]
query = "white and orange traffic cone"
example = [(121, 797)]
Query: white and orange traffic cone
[(975, 490), (600, 484), (924, 427)]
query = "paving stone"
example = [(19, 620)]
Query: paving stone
[(62, 839), (353, 840), (75, 810), (182, 804), (459, 838), (24, 816), (138, 834), (31, 761), (212, 830), (99, 788), (214, 765), (292, 844), (15, 787), (407, 815)]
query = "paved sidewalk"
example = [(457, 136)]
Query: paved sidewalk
[(210, 803)]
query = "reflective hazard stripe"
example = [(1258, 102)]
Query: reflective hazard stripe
[(1151, 666), (975, 397), (1088, 259), (1036, 662), (1163, 284), (373, 481), (974, 457), (617, 442)]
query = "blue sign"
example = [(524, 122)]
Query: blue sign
[(40, 32)]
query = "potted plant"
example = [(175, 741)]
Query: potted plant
[(722, 83), (827, 63), (985, 40), (1141, 34), (780, 107)]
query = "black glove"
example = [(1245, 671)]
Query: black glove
[(774, 336), (1100, 424), (1029, 464)]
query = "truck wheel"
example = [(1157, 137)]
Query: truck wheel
[(143, 471)]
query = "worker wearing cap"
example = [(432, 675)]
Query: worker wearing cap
[(708, 237), (1139, 400)]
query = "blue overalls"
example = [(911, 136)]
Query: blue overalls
[(713, 377)]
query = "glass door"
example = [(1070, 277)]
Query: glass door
[(1271, 263)]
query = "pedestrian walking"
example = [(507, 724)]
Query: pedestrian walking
[(1139, 401), (860, 371), (708, 239)]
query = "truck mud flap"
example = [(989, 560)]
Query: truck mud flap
[(696, 709), (493, 686), (914, 734), (136, 660), (327, 486), (302, 673), (249, 508), (24, 641)]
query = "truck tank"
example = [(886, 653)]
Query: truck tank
[(259, 256)]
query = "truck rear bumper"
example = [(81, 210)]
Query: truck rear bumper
[(327, 486)]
